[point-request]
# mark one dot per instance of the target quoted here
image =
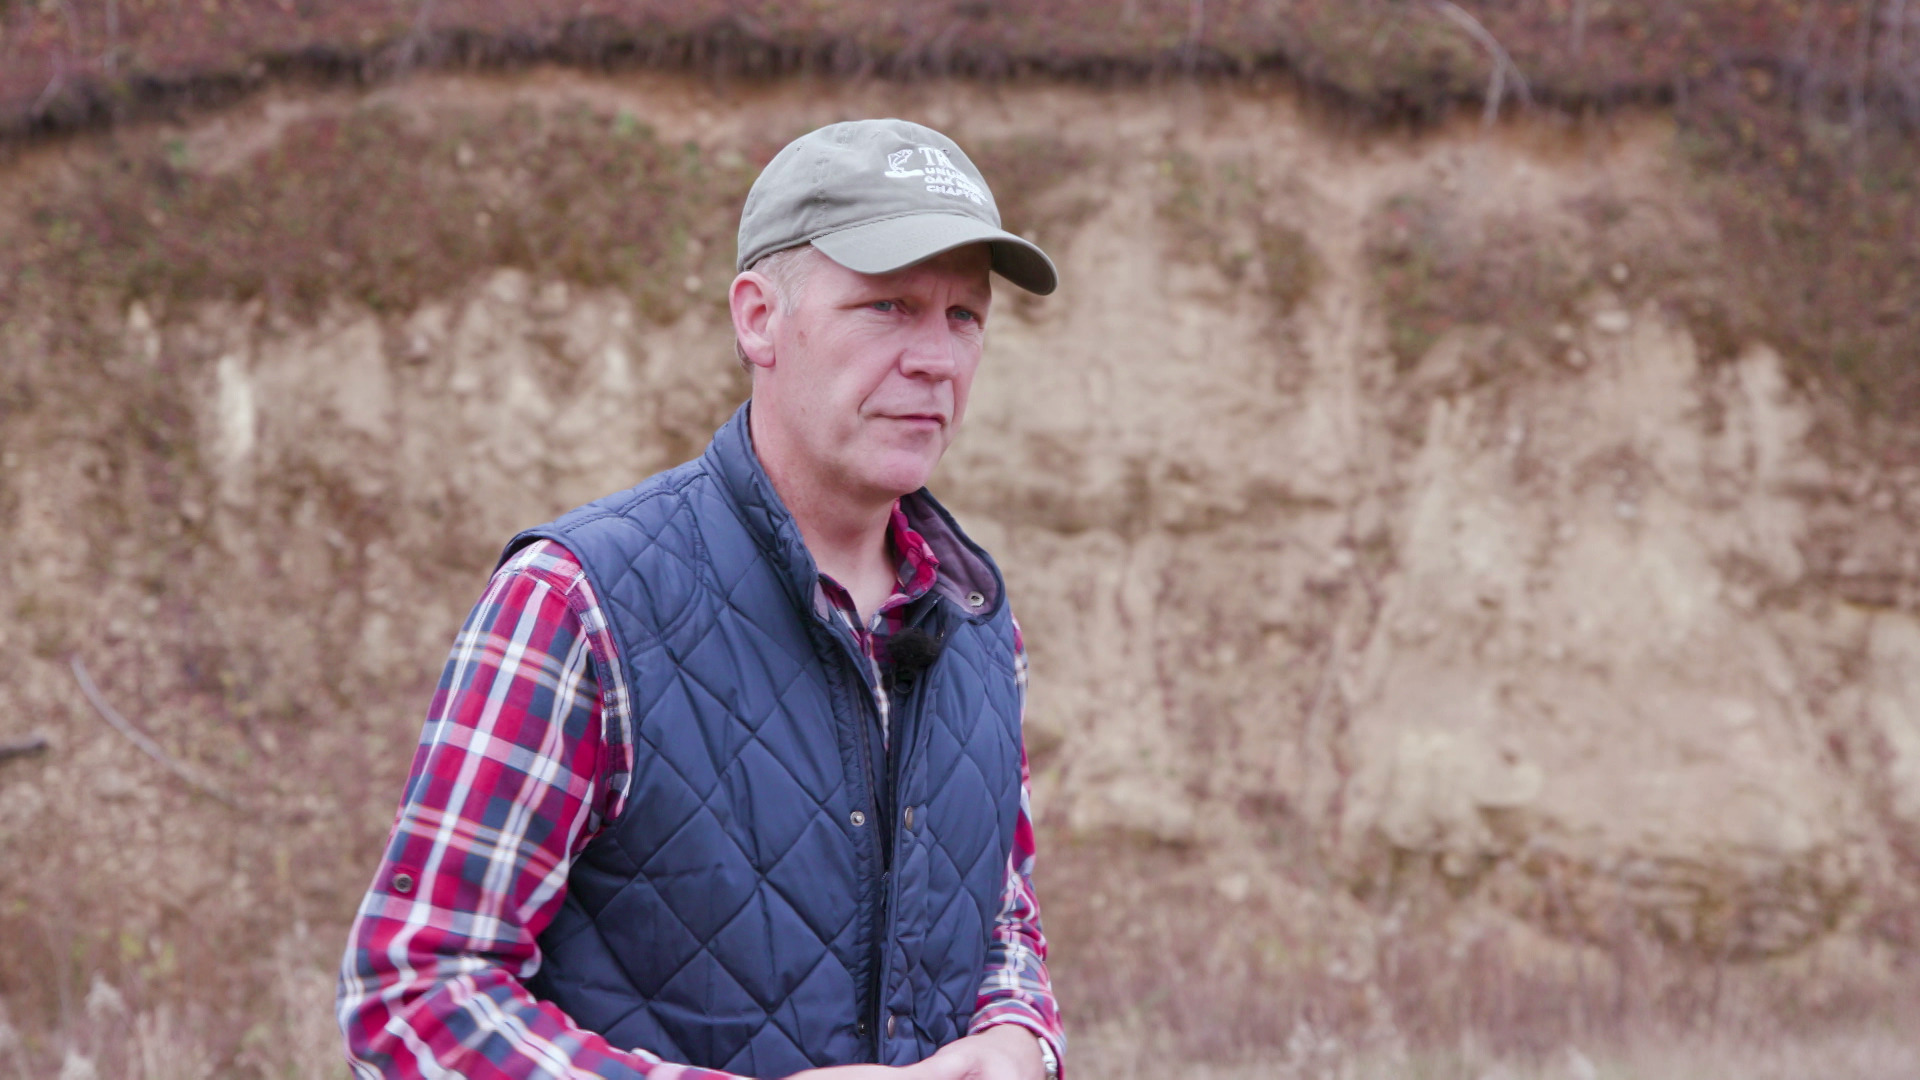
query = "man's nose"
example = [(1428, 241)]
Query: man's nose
[(929, 352)]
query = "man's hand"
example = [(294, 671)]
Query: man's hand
[(1002, 1052)]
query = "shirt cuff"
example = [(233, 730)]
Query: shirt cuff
[(1021, 1015)]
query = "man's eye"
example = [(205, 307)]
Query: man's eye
[(964, 315), (883, 305)]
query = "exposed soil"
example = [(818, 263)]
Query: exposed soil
[(1461, 638)]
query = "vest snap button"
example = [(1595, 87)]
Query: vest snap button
[(975, 599), (889, 1027), (909, 819), (862, 1025), (403, 883), (857, 818)]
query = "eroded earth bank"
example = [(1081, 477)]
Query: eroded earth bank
[(1453, 643)]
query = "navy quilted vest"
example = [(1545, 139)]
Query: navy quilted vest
[(761, 904)]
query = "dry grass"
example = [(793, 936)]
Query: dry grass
[(1158, 960), (1820, 212), (1813, 251), (373, 207), (92, 59)]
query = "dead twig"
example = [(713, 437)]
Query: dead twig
[(147, 746), (32, 744), (1503, 64), (54, 85)]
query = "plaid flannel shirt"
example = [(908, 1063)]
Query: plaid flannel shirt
[(525, 755)]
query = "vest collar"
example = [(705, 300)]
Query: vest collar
[(731, 459), (966, 570)]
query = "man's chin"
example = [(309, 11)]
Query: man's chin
[(895, 475)]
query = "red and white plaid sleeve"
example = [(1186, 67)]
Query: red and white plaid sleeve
[(1016, 988), (521, 759)]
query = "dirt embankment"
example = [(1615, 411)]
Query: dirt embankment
[(1445, 625)]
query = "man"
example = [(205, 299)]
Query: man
[(725, 773)]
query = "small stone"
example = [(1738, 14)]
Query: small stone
[(1576, 359), (1234, 887), (112, 785), (103, 1001), (1618, 272), (1625, 511), (463, 154), (1613, 321), (692, 284), (1563, 333)]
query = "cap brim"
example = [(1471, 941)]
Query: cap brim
[(881, 247)]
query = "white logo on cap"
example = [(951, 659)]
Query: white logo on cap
[(897, 159), (942, 176)]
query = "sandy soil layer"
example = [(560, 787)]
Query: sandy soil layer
[(1538, 682)]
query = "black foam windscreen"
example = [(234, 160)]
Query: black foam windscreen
[(913, 650)]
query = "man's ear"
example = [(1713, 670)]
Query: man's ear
[(752, 302)]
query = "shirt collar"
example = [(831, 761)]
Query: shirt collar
[(918, 567)]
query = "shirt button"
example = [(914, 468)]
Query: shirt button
[(889, 1027), (857, 818), (909, 819), (403, 882)]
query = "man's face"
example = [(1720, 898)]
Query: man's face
[(870, 373)]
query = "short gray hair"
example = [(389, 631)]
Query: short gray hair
[(787, 269)]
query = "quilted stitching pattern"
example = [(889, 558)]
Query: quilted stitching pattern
[(732, 917)]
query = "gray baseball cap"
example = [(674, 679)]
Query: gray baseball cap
[(877, 196)]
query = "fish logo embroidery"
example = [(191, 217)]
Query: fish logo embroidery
[(897, 159), (942, 176)]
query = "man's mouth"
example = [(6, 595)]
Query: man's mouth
[(934, 419)]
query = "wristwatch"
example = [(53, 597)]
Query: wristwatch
[(1046, 1058)]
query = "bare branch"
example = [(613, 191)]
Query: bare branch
[(32, 744), (54, 85), (1503, 65), (147, 746)]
